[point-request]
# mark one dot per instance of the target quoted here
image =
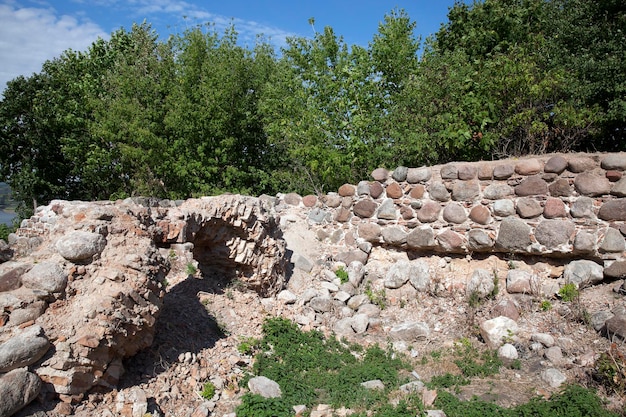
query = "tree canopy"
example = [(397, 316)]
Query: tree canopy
[(201, 114)]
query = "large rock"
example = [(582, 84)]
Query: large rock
[(420, 275), (614, 161), (513, 236), (613, 241), (17, 389), (465, 190), (497, 331), (23, 349), (613, 210), (583, 273), (398, 274), (481, 283), (11, 274), (409, 331), (553, 233), (429, 212), (591, 184), (520, 281), (421, 238), (454, 213), (80, 246), (533, 185), (264, 387), (45, 276), (6, 252)]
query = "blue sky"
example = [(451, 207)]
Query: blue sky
[(33, 31)]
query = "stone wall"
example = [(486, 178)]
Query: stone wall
[(564, 205)]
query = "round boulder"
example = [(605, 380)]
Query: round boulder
[(45, 276), (80, 246)]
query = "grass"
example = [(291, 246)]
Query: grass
[(312, 370)]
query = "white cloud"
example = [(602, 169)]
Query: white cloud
[(30, 36)]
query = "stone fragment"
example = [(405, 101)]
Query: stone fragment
[(503, 172), (264, 387), (554, 208), (80, 246), (6, 253), (380, 174), (616, 270), (527, 208), (582, 207), (45, 276), (357, 301), (438, 191), (286, 297), (467, 172), (398, 274), (375, 384), (583, 273), (619, 188), (528, 167), (553, 377), (365, 208), (614, 161), (478, 240), (450, 241), (556, 164), (552, 233), (387, 210), (449, 172), (521, 282), (17, 389), (332, 200), (363, 188), (421, 238), (23, 349), (394, 236), (429, 212), (309, 200), (132, 403), (497, 191), (419, 275), (480, 214), (507, 308), (591, 184), (11, 274), (497, 330), (359, 323), (410, 331), (543, 338), (554, 354), (465, 190), (481, 283), (508, 353), (371, 232), (416, 175), (534, 185), (560, 188), (454, 213), (613, 241), (513, 236), (503, 208), (613, 210), (581, 164), (394, 190), (614, 176), (400, 173)]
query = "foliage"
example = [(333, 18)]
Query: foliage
[(191, 269), (248, 346), (378, 297), (342, 274), (5, 231), (569, 292), (545, 305), (311, 369), (208, 390), (611, 370), (474, 363)]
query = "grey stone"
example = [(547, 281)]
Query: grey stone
[(356, 272), (438, 191), (23, 349), (497, 330), (359, 323), (303, 264), (286, 297), (480, 283), (520, 281), (583, 273), (543, 338), (394, 236), (454, 213), (370, 310), (421, 238), (398, 274), (619, 188), (616, 325), (387, 210), (502, 172), (45, 276), (497, 191), (449, 172), (80, 246), (478, 240), (467, 172), (614, 161), (514, 235), (581, 164), (363, 188), (419, 275), (552, 233), (553, 377), (613, 210), (554, 355), (318, 215), (584, 242), (17, 389), (465, 190), (264, 387), (343, 327), (321, 303), (599, 318), (528, 208), (616, 269), (613, 241), (412, 387), (375, 384), (416, 175), (592, 185), (534, 185), (503, 208), (400, 173), (508, 352), (409, 331), (556, 164), (429, 212), (528, 166), (11, 274), (582, 207), (357, 301)]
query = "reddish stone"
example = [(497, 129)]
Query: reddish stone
[(417, 191), (528, 167), (380, 174), (429, 212), (560, 188), (502, 172), (480, 214), (450, 241), (371, 232), (554, 208), (581, 164), (485, 172), (407, 213), (592, 185), (613, 175), (467, 172), (528, 208), (376, 189), (343, 215), (534, 185), (613, 210), (309, 200), (365, 208), (394, 190), (557, 164), (346, 190)]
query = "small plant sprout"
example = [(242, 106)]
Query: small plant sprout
[(208, 390), (342, 274), (569, 292), (545, 305), (191, 269)]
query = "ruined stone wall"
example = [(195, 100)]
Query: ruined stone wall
[(565, 205)]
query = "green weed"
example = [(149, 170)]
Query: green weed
[(342, 274), (376, 297), (208, 390), (191, 269), (569, 292)]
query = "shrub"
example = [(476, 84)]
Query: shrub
[(569, 292), (208, 390)]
